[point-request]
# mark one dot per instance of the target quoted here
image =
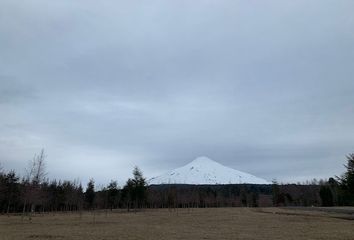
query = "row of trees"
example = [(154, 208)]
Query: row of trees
[(340, 190), (35, 193)]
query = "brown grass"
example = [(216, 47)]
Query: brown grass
[(219, 223)]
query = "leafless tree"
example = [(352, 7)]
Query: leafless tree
[(36, 172), (1, 168), (35, 175)]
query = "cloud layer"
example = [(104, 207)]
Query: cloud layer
[(260, 86)]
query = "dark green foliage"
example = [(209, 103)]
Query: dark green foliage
[(348, 177), (278, 199), (184, 196), (113, 195), (35, 193), (135, 190), (9, 191), (347, 182), (326, 196), (90, 194)]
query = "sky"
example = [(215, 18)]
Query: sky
[(264, 87)]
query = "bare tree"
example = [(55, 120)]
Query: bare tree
[(35, 175), (1, 169), (36, 172)]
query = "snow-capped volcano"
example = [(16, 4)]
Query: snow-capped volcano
[(203, 170)]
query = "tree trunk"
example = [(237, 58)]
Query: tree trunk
[(24, 209)]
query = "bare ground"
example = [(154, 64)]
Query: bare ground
[(212, 223)]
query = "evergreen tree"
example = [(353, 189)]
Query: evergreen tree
[(140, 187), (135, 190), (113, 194), (275, 193), (90, 194), (326, 196), (349, 175), (347, 181)]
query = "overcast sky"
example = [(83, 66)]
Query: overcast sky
[(265, 87)]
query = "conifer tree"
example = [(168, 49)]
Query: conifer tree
[(135, 190), (347, 181), (112, 192), (90, 194)]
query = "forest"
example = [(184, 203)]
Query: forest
[(34, 192)]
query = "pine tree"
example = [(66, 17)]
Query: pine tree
[(113, 192), (275, 192), (326, 196), (140, 187), (349, 175), (90, 194), (12, 190), (135, 190), (347, 181)]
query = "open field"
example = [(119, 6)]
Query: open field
[(217, 223)]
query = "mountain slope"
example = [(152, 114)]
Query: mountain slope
[(203, 170)]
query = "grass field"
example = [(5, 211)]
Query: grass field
[(218, 223)]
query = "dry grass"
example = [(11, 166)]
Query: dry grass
[(221, 223)]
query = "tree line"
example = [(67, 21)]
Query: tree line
[(34, 192), (339, 190)]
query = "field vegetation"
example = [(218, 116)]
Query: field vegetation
[(194, 223)]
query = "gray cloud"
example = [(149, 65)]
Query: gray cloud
[(264, 87)]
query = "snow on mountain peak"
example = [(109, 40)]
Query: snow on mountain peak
[(202, 160), (203, 170)]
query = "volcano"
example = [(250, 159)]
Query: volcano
[(204, 171)]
